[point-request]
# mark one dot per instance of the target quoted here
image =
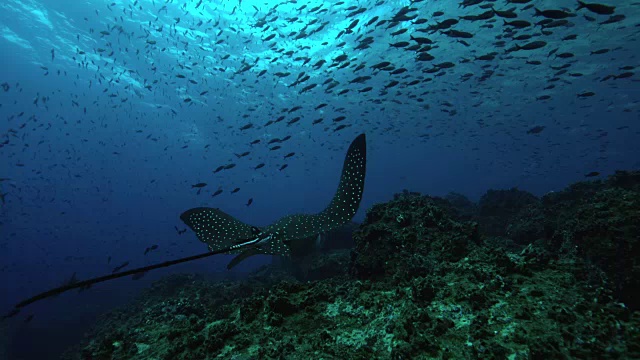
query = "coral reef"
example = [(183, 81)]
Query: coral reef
[(513, 277)]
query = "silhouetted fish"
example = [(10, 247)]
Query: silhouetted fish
[(218, 192), (221, 231), (535, 130), (594, 7), (151, 248), (12, 313), (118, 268), (138, 276)]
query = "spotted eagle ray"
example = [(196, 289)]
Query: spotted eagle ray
[(225, 234), (222, 231)]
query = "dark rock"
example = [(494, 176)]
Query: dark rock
[(498, 209), (600, 224), (408, 236)]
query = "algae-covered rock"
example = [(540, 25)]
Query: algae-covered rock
[(600, 224), (408, 236), (497, 209), (465, 208)]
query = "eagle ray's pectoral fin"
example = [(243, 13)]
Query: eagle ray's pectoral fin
[(216, 228), (242, 256)]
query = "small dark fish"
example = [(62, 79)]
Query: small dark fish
[(283, 167), (381, 65), (565, 55), (198, 185), (235, 190), (535, 130), (218, 192), (458, 34), (261, 165), (400, 44), (624, 75), (289, 155), (595, 8), (151, 248), (532, 45), (308, 87), (275, 147), (250, 202), (391, 84), (138, 276), (118, 268), (552, 14), (374, 19), (218, 169), (592, 174), (230, 166), (293, 121), (519, 24), (255, 142), (11, 313)]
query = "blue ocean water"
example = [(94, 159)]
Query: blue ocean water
[(111, 112)]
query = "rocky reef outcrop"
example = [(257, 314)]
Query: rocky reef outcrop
[(514, 276)]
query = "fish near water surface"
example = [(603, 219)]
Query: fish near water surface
[(220, 230)]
